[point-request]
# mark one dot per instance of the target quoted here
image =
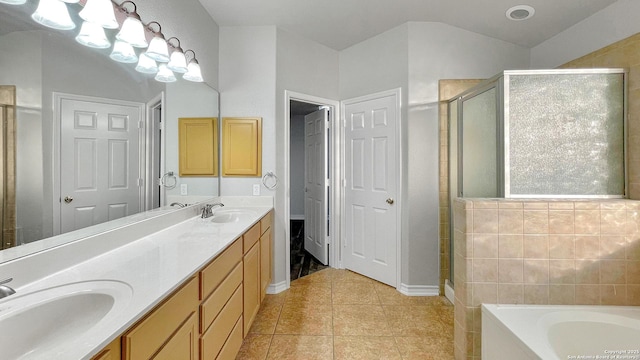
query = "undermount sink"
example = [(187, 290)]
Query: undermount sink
[(38, 322), (233, 215)]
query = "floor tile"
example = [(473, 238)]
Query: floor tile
[(255, 347), (305, 319), (294, 347), (316, 293), (350, 276), (365, 320), (365, 348), (421, 348), (276, 298), (266, 319), (346, 293)]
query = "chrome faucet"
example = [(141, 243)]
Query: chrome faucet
[(178, 204), (207, 210), (6, 290)]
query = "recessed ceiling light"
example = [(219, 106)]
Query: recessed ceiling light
[(520, 12)]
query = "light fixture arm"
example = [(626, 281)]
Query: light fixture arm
[(179, 48), (193, 58), (133, 13)]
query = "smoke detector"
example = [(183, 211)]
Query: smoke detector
[(520, 12)]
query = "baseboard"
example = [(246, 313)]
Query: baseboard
[(419, 290), (296, 217), (448, 291), (277, 288)]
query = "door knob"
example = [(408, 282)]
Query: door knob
[(68, 199), (390, 201)]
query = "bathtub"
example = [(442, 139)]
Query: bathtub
[(552, 332)]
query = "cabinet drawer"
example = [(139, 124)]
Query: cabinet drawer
[(213, 274), (151, 333), (211, 307), (233, 344), (212, 341), (251, 237), (266, 222)]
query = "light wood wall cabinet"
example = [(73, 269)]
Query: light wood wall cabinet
[(198, 149), (242, 146), (209, 316)]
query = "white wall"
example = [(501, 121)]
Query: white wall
[(438, 51), (247, 88), (611, 24), (296, 162)]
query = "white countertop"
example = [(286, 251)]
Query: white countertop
[(153, 266)]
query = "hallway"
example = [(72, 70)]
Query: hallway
[(338, 314)]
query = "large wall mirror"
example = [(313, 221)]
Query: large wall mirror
[(96, 142)]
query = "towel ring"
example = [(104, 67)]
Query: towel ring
[(273, 184), (169, 175)]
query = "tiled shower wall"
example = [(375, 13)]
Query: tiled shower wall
[(541, 252)]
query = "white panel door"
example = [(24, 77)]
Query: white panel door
[(315, 196), (371, 168), (100, 162)]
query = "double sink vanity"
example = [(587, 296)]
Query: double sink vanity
[(171, 286)]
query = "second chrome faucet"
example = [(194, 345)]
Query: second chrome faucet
[(207, 210)]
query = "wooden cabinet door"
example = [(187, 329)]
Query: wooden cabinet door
[(110, 352), (265, 262), (251, 305), (242, 146), (183, 344), (198, 149)]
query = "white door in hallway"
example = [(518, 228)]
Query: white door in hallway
[(315, 176), (371, 173), (100, 157)]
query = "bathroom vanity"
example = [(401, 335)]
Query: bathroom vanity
[(185, 289)]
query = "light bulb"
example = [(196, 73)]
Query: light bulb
[(158, 49), (132, 31), (92, 35), (99, 12), (164, 74), (193, 72), (53, 14), (146, 65), (123, 52)]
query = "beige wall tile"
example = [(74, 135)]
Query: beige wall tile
[(633, 248), (561, 222), (587, 294), (613, 272), (510, 271), (484, 293), (511, 246), (485, 221), (536, 221), (587, 205), (536, 294), (633, 295), (613, 247), (633, 221), (510, 221), (587, 272), (485, 246), (485, 270), (536, 271), (562, 272), (561, 205), (562, 247), (536, 205), (485, 204), (536, 246), (587, 247), (613, 294), (562, 294), (510, 294), (633, 272), (587, 222), (613, 222)]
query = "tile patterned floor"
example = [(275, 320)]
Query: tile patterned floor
[(338, 314)]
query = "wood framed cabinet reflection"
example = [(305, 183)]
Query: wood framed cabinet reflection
[(242, 146), (198, 149)]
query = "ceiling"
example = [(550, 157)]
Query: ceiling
[(339, 24)]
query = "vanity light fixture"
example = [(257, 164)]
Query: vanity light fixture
[(99, 12), (53, 14), (164, 74), (158, 49), (123, 52), (92, 35), (177, 62), (13, 2), (146, 65), (193, 69), (132, 30)]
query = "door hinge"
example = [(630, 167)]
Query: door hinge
[(140, 124), (140, 182)]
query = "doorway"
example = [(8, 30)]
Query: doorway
[(308, 164)]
